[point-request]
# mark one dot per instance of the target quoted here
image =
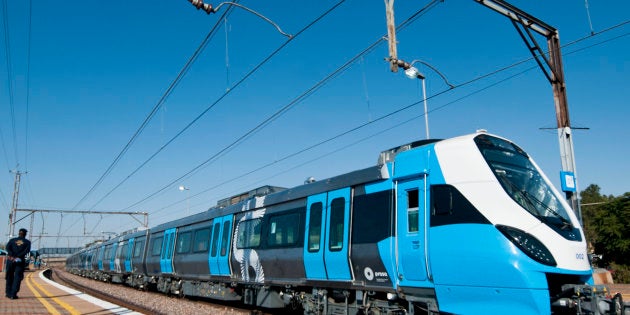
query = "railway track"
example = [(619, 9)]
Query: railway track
[(146, 302)]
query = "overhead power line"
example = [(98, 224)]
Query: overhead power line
[(28, 81), (219, 152), (157, 106), (228, 91), (7, 51), (402, 109), (283, 110)]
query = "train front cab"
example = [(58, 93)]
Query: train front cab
[(483, 255)]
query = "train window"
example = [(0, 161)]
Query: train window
[(165, 245), (183, 242), (442, 197), (449, 206), (315, 227), (337, 216), (169, 244), (225, 238), (107, 251), (215, 239), (283, 230), (412, 211), (138, 247), (372, 221), (119, 250), (202, 240), (248, 234), (123, 251), (156, 246)]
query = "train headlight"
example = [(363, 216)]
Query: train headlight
[(531, 246)]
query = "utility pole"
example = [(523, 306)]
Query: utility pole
[(553, 70), (551, 67), (14, 202), (391, 35)]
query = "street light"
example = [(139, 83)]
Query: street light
[(182, 188), (413, 73), (209, 8)]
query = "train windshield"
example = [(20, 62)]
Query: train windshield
[(522, 181)]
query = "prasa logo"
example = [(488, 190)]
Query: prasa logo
[(380, 274), (370, 274)]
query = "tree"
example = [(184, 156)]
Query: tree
[(612, 222), (591, 200), (607, 228)]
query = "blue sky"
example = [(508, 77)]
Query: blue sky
[(96, 70)]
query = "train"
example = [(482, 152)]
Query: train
[(465, 225)]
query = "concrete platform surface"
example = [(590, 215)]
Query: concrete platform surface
[(39, 295)]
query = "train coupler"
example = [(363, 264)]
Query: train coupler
[(589, 299)]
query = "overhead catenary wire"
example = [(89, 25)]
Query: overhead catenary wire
[(354, 129), (475, 80), (28, 80), (251, 72), (218, 100), (4, 149), (402, 109), (7, 55), (588, 16), (157, 106), (284, 109), (312, 90)]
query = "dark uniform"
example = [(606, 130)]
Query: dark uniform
[(17, 249)]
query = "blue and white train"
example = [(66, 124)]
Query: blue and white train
[(468, 225)]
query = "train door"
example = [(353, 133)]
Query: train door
[(166, 258), (315, 227), (129, 255), (327, 236), (411, 229), (140, 254), (101, 255), (220, 246), (118, 248)]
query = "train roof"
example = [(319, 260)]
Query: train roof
[(390, 155), (276, 195)]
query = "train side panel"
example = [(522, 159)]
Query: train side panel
[(190, 260), (153, 254)]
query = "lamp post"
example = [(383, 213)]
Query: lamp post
[(209, 8), (182, 188), (413, 73)]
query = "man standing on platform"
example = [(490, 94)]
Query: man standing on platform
[(17, 249)]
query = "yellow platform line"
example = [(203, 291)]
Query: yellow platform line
[(63, 304), (51, 309)]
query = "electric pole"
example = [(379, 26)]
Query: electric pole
[(551, 65), (391, 35), (14, 202), (553, 70)]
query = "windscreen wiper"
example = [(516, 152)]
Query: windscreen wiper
[(565, 223)]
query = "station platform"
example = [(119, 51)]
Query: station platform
[(39, 295)]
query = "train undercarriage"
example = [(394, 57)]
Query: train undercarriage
[(571, 299)]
